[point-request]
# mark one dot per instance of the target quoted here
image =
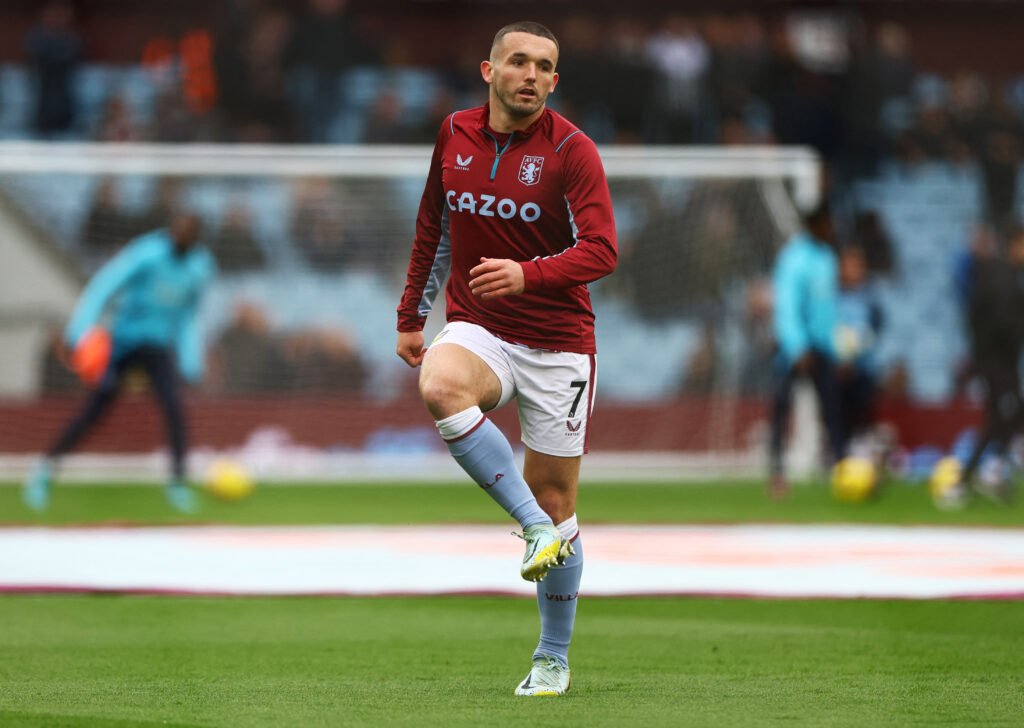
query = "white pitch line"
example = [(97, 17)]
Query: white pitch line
[(742, 560)]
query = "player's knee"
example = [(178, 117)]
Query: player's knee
[(443, 394), (556, 504)]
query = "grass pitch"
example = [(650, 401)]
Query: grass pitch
[(455, 661), (384, 503)]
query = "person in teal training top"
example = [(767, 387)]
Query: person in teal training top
[(806, 284), (148, 297)]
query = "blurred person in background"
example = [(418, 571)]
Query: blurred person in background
[(55, 52), (152, 291), (107, 222), (967, 260), (386, 123), (858, 327), (250, 61), (117, 124), (247, 357), (323, 361), (235, 246), (759, 349), (680, 56), (805, 282), (324, 46), (166, 198), (517, 210), (997, 339), (318, 225)]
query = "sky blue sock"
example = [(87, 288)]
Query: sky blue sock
[(483, 452), (556, 602)]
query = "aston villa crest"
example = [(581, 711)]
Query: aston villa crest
[(529, 170)]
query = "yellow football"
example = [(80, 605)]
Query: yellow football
[(227, 480), (945, 475), (853, 480)]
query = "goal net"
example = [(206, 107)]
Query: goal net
[(312, 244)]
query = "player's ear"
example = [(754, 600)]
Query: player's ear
[(487, 71), (554, 83)]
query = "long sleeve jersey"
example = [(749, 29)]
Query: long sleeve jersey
[(806, 284), (153, 294), (538, 197)]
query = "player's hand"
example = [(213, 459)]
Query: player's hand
[(496, 277), (410, 347), (805, 363)]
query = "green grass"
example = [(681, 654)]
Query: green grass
[(102, 660), (454, 661), (723, 502)]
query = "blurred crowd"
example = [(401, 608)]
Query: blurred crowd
[(272, 71)]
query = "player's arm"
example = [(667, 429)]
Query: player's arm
[(189, 349), (595, 253), (110, 279), (429, 262), (790, 332)]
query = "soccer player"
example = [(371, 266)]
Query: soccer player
[(152, 289), (805, 282), (516, 211), (997, 340), (859, 321)]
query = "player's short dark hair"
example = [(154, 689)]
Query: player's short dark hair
[(819, 215), (524, 26)]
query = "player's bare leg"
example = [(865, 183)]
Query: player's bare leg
[(555, 482), (457, 386)]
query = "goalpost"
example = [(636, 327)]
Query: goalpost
[(313, 242)]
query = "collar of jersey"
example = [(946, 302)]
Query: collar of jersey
[(485, 116)]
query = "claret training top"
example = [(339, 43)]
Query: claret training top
[(538, 197)]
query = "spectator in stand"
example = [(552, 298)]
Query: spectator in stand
[(702, 367), (318, 223), (758, 339), (680, 57), (117, 124), (54, 51), (738, 57), (235, 246), (166, 198), (880, 71), (324, 361), (250, 62), (585, 64), (247, 357), (441, 106), (631, 82), (107, 226), (324, 47), (386, 123)]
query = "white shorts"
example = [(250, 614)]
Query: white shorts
[(554, 389)]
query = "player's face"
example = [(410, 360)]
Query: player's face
[(185, 230), (521, 73)]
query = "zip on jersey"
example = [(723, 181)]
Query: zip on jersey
[(498, 152)]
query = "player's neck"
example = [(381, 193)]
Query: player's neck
[(504, 123)]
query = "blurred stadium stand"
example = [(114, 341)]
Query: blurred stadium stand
[(926, 170)]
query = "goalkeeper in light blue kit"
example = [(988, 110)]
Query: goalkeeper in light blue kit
[(806, 282), (150, 293)]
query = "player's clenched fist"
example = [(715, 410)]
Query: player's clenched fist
[(410, 347), (496, 277)]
